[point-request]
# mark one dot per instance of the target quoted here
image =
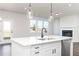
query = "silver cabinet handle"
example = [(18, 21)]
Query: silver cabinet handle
[(36, 47), (53, 51), (36, 52)]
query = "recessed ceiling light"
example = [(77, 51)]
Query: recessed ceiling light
[(0, 18), (25, 8), (56, 14), (69, 5)]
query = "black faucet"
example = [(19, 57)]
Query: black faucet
[(42, 34)]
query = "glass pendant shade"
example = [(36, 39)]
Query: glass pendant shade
[(50, 18), (29, 12), (30, 16)]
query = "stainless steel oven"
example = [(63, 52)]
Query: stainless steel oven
[(67, 33), (66, 43)]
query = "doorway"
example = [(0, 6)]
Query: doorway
[(6, 30)]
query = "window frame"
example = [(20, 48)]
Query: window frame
[(36, 24)]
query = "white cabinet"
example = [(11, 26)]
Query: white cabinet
[(18, 50), (5, 49), (46, 49)]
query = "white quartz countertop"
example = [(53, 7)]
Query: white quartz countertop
[(27, 41)]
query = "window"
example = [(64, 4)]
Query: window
[(6, 29), (32, 25), (37, 25), (45, 24)]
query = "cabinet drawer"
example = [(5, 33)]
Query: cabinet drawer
[(47, 52), (35, 53), (36, 48), (45, 46), (49, 49)]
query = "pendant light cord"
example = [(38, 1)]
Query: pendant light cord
[(30, 6), (51, 9)]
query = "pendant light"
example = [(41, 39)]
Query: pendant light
[(51, 16), (30, 15)]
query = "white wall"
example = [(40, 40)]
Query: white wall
[(20, 23), (68, 22), (51, 27), (56, 26)]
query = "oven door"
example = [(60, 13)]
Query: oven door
[(67, 33)]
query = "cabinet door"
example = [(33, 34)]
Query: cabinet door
[(56, 51), (52, 49), (18, 50), (49, 49), (5, 50), (46, 52)]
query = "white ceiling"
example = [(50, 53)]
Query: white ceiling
[(42, 9)]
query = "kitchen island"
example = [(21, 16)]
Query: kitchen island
[(35, 46)]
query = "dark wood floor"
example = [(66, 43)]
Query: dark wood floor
[(76, 49)]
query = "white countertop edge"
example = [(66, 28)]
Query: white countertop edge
[(4, 42), (39, 41)]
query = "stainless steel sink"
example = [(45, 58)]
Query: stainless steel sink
[(42, 39)]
